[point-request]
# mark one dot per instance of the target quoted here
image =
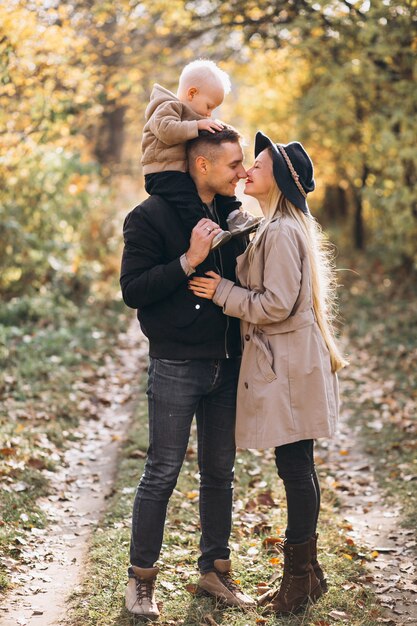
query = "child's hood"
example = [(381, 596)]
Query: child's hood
[(158, 96)]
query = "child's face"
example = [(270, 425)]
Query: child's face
[(204, 100)]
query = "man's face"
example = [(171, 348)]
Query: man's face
[(225, 169)]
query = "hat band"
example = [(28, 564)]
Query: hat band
[(294, 174)]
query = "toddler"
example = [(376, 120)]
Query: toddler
[(170, 122)]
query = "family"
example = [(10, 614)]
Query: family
[(240, 335)]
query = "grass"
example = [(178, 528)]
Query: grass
[(100, 600), (51, 352)]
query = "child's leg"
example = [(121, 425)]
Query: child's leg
[(238, 222), (178, 189), (227, 204)]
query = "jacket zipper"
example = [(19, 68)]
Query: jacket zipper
[(221, 274)]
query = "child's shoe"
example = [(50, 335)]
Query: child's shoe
[(242, 222), (220, 239)]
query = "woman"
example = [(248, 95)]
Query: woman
[(288, 391)]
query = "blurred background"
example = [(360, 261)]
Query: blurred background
[(75, 79)]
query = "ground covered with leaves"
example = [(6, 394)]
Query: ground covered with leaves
[(53, 355), (259, 522), (380, 313)]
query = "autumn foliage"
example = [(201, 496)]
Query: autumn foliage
[(75, 78)]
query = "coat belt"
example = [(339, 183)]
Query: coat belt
[(264, 355)]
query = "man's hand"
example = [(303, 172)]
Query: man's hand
[(205, 287), (200, 242), (210, 125)]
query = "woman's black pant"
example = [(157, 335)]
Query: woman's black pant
[(295, 465)]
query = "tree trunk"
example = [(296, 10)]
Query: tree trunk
[(110, 137), (335, 203), (358, 230), (358, 224)]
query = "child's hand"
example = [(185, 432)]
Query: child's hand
[(210, 125), (205, 287)]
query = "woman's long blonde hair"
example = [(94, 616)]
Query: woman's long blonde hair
[(323, 279)]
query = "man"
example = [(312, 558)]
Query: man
[(194, 361)]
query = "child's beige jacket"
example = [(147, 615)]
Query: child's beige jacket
[(169, 125)]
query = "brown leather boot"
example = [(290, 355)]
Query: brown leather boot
[(220, 585), (299, 584), (140, 593), (316, 566)]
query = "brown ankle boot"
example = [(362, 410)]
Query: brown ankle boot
[(220, 585), (316, 566), (140, 593), (299, 584)]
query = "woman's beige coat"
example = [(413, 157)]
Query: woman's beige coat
[(286, 389)]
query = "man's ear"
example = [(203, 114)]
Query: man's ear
[(201, 164), (191, 92)]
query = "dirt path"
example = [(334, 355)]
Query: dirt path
[(56, 555), (375, 523)]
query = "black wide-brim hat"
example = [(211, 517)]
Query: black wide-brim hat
[(292, 168)]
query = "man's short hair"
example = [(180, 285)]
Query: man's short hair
[(207, 143)]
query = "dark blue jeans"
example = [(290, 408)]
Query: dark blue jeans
[(178, 390)]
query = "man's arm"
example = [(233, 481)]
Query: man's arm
[(144, 277)]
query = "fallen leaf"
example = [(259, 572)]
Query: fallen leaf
[(137, 454), (167, 585), (209, 619), (340, 616), (271, 541), (8, 451), (265, 499), (19, 486)]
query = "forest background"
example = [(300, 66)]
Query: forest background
[(75, 78)]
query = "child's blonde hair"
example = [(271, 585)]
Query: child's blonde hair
[(199, 73), (323, 280)]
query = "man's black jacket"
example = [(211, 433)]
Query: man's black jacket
[(178, 324)]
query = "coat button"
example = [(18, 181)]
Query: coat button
[(247, 337), (197, 306), (246, 386)]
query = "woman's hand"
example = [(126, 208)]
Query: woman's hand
[(205, 287)]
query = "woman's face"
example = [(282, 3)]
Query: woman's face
[(260, 178)]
